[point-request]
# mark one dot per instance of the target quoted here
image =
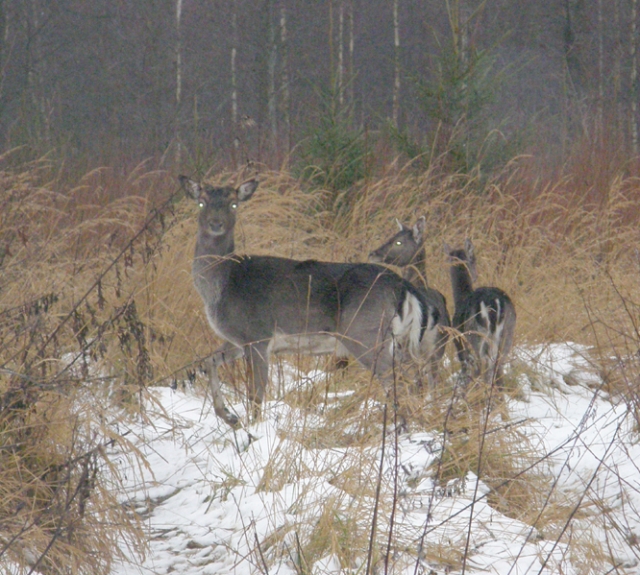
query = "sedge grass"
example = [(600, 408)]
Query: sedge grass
[(85, 307)]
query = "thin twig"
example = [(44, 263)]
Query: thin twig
[(264, 563), (395, 466), (155, 213), (377, 499)]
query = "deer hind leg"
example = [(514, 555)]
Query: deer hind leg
[(433, 375), (257, 356), (493, 355), (373, 352), (225, 354), (499, 374), (427, 365), (441, 345), (381, 358), (504, 348), (494, 377), (466, 357), (434, 346), (488, 357)]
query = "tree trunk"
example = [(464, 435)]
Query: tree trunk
[(600, 119), (351, 50), (340, 74), (633, 78), (4, 28), (40, 119), (272, 96), (178, 81), (617, 76), (332, 78), (286, 96), (396, 65), (453, 13), (234, 80)]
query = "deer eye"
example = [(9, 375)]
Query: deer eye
[(234, 205), (398, 243), (201, 204)]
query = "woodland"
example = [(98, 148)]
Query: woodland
[(510, 122)]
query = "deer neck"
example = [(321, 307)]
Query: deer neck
[(461, 284), (214, 246), (416, 270), (212, 263)]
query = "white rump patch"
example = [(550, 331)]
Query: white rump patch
[(408, 327), (493, 339), (431, 334)]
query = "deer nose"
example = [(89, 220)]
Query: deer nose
[(375, 257), (216, 228)]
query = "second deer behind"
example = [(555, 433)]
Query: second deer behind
[(405, 249)]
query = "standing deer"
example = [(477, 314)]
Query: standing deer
[(485, 316), (260, 304), (406, 250)]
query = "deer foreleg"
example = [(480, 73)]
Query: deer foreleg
[(225, 354)]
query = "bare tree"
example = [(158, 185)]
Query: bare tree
[(36, 22), (286, 95), (272, 62), (4, 33), (234, 77), (178, 80), (396, 65), (340, 71), (600, 70), (633, 77), (119, 74), (351, 51), (617, 72)]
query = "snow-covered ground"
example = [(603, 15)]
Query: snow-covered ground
[(216, 502)]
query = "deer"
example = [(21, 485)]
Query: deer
[(405, 249), (259, 304), (484, 316)]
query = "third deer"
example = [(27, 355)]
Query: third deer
[(485, 318)]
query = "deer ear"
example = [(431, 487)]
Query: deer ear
[(471, 260), (194, 189), (468, 247), (245, 191), (399, 224), (418, 229)]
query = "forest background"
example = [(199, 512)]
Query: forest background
[(514, 122), (298, 83)]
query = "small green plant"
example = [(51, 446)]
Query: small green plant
[(458, 101), (460, 98), (334, 156)]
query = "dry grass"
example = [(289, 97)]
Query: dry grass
[(84, 307), (67, 312)]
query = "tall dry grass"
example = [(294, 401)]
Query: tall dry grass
[(69, 335), (97, 303)]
